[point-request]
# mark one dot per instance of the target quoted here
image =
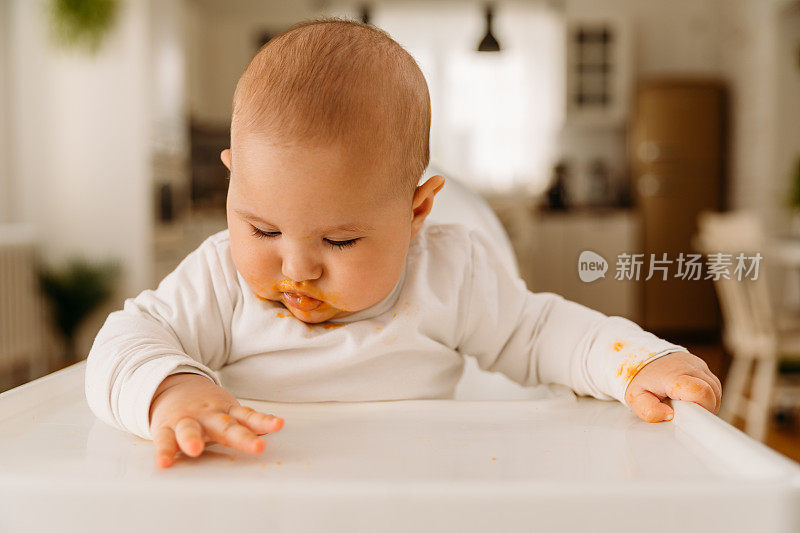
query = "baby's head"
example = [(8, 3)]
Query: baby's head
[(329, 137)]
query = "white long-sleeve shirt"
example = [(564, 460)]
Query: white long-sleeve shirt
[(454, 297)]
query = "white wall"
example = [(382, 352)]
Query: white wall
[(78, 149), (5, 177), (223, 36)]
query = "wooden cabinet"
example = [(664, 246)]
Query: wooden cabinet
[(678, 159)]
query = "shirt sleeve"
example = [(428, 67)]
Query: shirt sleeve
[(182, 326), (543, 338)]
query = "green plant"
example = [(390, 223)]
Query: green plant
[(794, 197), (82, 23), (75, 290)]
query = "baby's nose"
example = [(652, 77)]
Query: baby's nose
[(300, 267)]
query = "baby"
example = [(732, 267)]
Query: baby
[(328, 285)]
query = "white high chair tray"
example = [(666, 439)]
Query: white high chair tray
[(432, 465)]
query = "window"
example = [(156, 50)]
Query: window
[(495, 115)]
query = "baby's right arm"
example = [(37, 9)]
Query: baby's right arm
[(136, 369), (189, 410)]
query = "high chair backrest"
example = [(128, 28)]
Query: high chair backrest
[(746, 308)]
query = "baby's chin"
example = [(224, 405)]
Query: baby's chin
[(324, 313)]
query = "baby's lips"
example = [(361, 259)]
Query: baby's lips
[(301, 301)]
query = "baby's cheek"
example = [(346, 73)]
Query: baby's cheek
[(255, 267), (368, 281)]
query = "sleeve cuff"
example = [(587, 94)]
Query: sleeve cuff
[(641, 365), (620, 351), (139, 389)]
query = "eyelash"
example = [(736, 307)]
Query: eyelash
[(268, 235)]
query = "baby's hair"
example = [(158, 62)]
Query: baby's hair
[(337, 80)]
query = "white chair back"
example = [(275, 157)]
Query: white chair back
[(747, 311)]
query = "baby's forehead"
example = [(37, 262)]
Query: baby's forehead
[(343, 167)]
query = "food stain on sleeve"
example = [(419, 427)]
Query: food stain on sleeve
[(618, 346), (632, 365)]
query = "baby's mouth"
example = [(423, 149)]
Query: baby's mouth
[(301, 301)]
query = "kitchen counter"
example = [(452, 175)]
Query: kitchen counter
[(579, 464)]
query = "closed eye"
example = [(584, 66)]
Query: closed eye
[(341, 244), (272, 234), (263, 234)]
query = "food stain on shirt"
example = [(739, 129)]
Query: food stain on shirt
[(632, 365), (328, 325), (618, 346)]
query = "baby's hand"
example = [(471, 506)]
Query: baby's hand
[(678, 375), (189, 410)]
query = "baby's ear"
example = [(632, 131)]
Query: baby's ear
[(225, 155), (423, 201)]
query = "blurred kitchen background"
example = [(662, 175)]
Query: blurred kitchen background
[(607, 125)]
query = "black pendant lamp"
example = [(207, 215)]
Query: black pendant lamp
[(365, 13), (489, 43)]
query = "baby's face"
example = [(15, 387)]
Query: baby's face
[(308, 228)]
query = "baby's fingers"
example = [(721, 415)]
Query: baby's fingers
[(226, 430), (189, 434), (693, 389), (648, 407), (257, 422), (166, 446)]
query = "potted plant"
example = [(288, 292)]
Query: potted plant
[(82, 23), (794, 199), (75, 290)]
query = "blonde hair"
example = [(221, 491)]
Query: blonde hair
[(338, 80)]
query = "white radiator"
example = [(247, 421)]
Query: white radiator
[(21, 304)]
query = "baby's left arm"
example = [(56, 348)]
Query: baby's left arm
[(677, 375)]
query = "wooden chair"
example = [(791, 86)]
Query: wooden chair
[(750, 332)]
